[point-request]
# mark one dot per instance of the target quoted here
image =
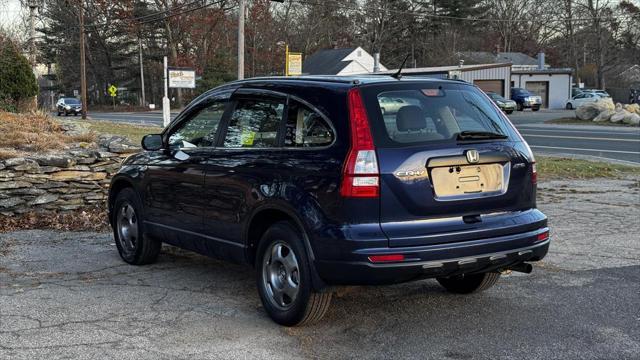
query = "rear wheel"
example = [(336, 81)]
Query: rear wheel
[(284, 278), (509, 111), (519, 107), (569, 106), (467, 284), (128, 230)]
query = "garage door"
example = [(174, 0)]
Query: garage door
[(496, 86), (540, 88)]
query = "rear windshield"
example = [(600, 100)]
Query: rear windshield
[(431, 113)]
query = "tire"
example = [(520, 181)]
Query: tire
[(509, 111), (569, 106), (384, 112), (535, 108), (467, 284), (58, 113), (284, 278), (66, 113), (519, 107), (133, 245)]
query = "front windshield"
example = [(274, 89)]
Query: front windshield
[(71, 101), (426, 115)]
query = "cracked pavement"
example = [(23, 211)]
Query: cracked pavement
[(68, 295)]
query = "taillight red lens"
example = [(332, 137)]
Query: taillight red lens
[(534, 173), (360, 175), (543, 236), (386, 258)]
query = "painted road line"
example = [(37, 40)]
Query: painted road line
[(620, 132), (580, 137), (582, 149)]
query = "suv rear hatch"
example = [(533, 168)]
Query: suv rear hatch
[(452, 167)]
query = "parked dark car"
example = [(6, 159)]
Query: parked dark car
[(525, 99), (308, 181), (68, 106), (508, 106)]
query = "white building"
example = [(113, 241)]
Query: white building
[(348, 61), (553, 85)]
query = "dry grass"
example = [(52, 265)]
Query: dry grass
[(565, 168), (34, 132), (92, 218), (132, 131)]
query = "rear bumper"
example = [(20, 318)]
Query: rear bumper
[(436, 260)]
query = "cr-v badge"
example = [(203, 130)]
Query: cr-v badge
[(472, 156)]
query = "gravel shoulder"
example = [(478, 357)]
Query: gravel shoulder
[(68, 295)]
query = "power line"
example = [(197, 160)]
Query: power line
[(362, 8)]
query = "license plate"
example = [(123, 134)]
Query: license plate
[(457, 181)]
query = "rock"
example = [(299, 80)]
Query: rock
[(604, 116), (588, 111), (49, 169), (11, 202), (14, 184), (52, 185), (632, 108), (28, 191), (2, 166), (117, 144), (77, 175), (30, 166), (56, 160), (5, 175), (632, 119), (44, 199), (15, 162), (619, 116)]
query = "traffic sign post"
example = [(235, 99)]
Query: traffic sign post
[(113, 92)]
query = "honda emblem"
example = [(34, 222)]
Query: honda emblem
[(472, 156)]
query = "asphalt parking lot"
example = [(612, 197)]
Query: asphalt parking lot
[(68, 295)]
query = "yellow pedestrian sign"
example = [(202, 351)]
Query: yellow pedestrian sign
[(113, 90)]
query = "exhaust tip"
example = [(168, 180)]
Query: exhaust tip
[(522, 267)]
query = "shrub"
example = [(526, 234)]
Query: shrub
[(17, 81)]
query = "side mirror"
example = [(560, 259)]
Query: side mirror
[(152, 142)]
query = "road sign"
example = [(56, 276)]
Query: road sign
[(294, 66), (182, 78), (113, 90)]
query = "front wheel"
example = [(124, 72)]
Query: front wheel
[(467, 284), (519, 107), (284, 278), (569, 106), (509, 111), (133, 246), (535, 108)]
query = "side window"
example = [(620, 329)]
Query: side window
[(200, 129), (306, 128), (254, 124)]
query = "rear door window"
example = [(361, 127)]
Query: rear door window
[(429, 114), (306, 127), (254, 124)]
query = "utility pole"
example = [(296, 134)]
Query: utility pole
[(241, 40), (83, 70), (166, 111), (144, 101), (33, 6)]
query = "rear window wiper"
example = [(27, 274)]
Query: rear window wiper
[(479, 135)]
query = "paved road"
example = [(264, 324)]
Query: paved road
[(68, 295), (616, 143)]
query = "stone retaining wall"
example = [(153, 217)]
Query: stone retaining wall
[(63, 181)]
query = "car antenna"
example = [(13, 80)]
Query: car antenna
[(398, 73)]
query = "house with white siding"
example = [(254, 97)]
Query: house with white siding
[(348, 61)]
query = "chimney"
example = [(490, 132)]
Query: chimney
[(376, 62), (461, 63), (540, 61)]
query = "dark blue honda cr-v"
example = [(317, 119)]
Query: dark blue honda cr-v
[(316, 183)]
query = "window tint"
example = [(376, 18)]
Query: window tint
[(199, 130), (438, 114), (306, 128), (254, 124)]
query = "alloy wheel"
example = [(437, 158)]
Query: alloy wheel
[(281, 275), (127, 225)]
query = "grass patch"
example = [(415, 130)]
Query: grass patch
[(576, 121), (565, 168), (33, 132), (131, 131)]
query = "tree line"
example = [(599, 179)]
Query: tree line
[(598, 38)]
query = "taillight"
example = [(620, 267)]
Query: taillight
[(534, 173), (360, 175), (543, 236)]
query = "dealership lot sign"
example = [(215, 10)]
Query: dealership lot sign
[(182, 78)]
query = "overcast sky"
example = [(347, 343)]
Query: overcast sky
[(10, 12)]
